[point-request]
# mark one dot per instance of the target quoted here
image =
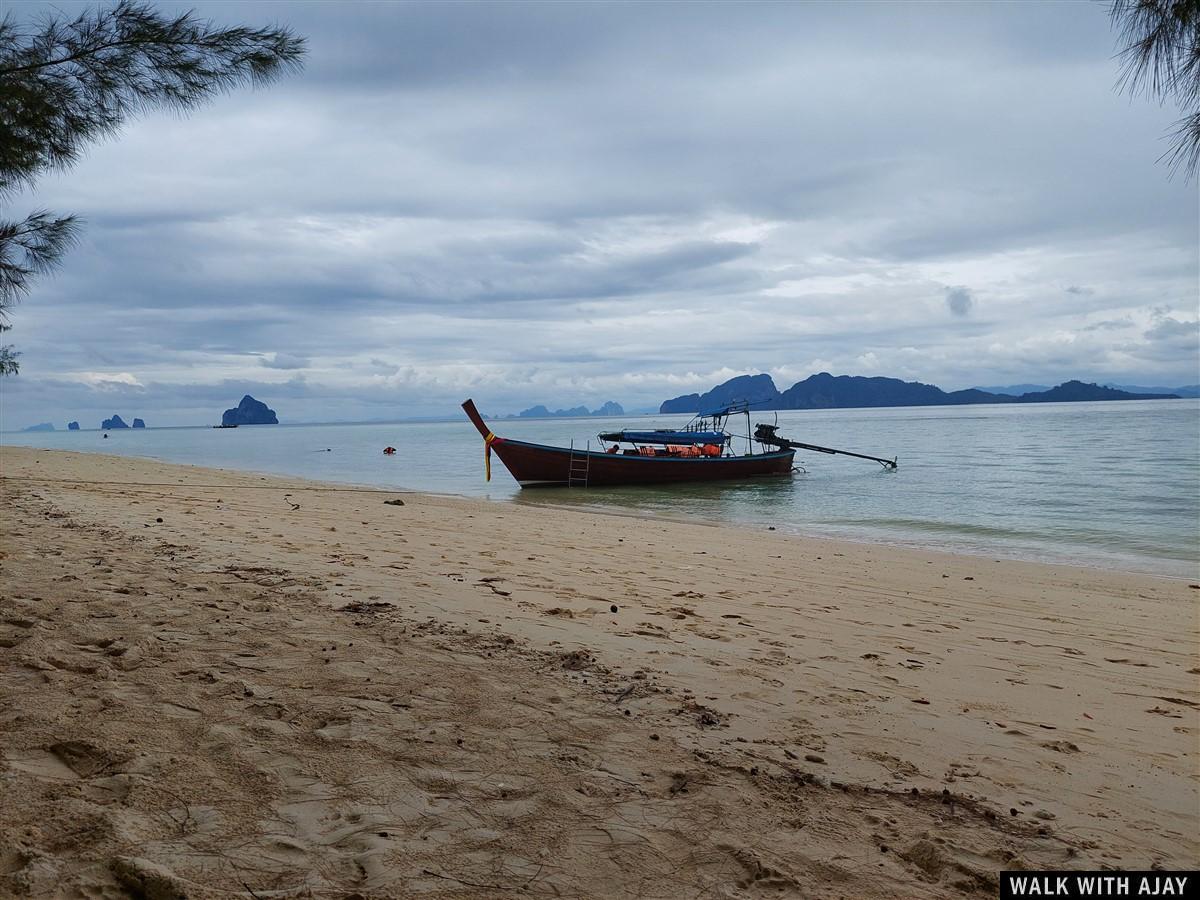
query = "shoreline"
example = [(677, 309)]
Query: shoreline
[(1123, 562), (864, 541), (752, 665)]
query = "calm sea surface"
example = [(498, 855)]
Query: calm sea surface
[(1101, 484)]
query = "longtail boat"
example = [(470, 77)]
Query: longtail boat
[(699, 451)]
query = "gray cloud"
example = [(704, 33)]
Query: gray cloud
[(381, 367), (1110, 324), (285, 361), (959, 300), (1168, 328), (566, 203)]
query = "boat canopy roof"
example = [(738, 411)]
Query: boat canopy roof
[(663, 436), (735, 407)]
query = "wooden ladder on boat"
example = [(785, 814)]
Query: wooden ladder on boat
[(578, 467)]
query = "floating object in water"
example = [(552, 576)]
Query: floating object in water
[(389, 451)]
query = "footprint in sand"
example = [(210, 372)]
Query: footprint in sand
[(1130, 662), (1060, 746)]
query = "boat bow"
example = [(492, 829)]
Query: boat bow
[(489, 437)]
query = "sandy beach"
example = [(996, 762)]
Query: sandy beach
[(220, 684)]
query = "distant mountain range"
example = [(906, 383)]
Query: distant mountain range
[(1016, 390), (825, 391), (610, 408), (1187, 390)]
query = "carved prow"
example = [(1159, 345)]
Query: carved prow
[(476, 419)]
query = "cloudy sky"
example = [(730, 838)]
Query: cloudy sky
[(570, 203)]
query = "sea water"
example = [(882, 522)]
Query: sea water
[(1112, 484)]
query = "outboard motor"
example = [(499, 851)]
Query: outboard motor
[(767, 436)]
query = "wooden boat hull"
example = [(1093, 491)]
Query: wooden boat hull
[(538, 465)]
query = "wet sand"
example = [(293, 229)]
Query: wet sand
[(288, 689)]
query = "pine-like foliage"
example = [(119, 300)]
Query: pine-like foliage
[(1161, 58), (8, 356), (65, 83)]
